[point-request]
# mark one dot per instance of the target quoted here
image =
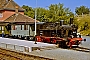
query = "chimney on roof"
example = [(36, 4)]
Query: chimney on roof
[(9, 0), (16, 9)]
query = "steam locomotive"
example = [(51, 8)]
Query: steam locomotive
[(59, 33)]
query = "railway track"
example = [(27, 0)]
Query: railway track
[(12, 55), (81, 49)]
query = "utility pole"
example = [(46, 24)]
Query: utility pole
[(35, 21)]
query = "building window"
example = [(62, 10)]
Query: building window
[(1, 15), (21, 27), (33, 27), (25, 27), (13, 27), (0, 27)]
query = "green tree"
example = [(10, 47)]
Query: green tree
[(58, 12), (29, 11), (42, 14), (82, 10), (55, 13)]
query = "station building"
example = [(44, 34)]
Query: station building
[(13, 22)]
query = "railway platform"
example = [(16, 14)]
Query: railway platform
[(23, 45)]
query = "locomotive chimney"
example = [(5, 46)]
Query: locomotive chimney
[(61, 22), (71, 21)]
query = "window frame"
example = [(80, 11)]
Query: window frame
[(1, 14)]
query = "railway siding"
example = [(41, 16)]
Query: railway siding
[(82, 49), (14, 55)]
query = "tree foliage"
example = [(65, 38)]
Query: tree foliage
[(82, 10), (58, 12), (54, 13), (42, 14), (29, 11)]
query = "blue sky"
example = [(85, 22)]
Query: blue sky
[(72, 4)]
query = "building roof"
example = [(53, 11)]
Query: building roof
[(9, 5), (3, 24), (20, 18)]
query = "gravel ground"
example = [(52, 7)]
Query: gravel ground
[(63, 54)]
